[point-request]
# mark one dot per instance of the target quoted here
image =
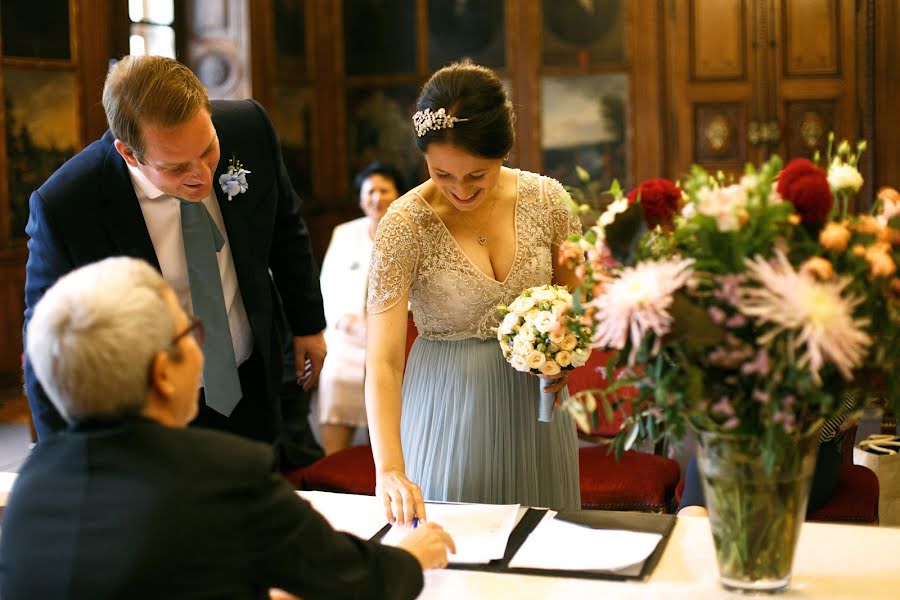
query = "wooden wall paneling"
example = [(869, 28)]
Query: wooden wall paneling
[(811, 37), (329, 125), (647, 91), (807, 123), (12, 309), (719, 57), (524, 65), (511, 14), (4, 174), (422, 67), (716, 128), (885, 148), (710, 99), (811, 78), (262, 52), (865, 93), (94, 44)]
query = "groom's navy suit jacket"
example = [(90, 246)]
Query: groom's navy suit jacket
[(87, 210)]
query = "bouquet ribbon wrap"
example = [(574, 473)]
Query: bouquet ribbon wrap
[(545, 406)]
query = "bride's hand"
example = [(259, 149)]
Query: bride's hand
[(555, 384), (401, 497)]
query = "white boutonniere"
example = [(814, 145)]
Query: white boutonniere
[(234, 180)]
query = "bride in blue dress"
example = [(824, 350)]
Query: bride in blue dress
[(462, 425)]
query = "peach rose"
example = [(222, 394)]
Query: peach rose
[(834, 236), (818, 267), (880, 262)]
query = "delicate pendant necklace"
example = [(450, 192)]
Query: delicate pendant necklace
[(482, 239)]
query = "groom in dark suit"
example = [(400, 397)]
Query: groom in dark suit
[(199, 190)]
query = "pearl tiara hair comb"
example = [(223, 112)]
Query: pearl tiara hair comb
[(426, 120)]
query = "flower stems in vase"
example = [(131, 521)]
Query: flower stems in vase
[(755, 511)]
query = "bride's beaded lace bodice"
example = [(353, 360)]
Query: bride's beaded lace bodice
[(451, 299)]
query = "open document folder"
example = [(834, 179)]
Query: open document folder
[(560, 545), (363, 516), (480, 531)]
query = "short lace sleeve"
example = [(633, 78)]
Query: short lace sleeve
[(393, 263), (563, 220)]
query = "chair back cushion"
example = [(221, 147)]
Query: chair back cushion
[(349, 471), (639, 481)]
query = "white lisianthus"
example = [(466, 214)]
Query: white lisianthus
[(749, 182), (509, 323), (550, 367), (544, 321), (563, 358), (521, 305), (580, 357), (536, 359), (564, 296), (842, 176), (531, 314), (612, 211), (569, 342), (723, 204), (543, 294), (527, 333), (518, 363), (521, 346)]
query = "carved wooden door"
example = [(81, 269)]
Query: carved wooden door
[(748, 78)]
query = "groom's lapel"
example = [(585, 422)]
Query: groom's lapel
[(121, 212), (238, 216)]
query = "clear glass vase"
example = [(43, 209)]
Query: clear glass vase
[(755, 513)]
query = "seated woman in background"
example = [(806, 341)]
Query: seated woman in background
[(343, 279)]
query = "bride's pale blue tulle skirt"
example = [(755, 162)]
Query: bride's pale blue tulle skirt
[(470, 431)]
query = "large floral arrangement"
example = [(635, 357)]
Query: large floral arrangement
[(749, 306)]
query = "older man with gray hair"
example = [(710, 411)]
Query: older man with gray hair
[(127, 502)]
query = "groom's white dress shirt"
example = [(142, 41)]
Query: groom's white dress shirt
[(162, 215)]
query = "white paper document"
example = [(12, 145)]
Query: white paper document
[(363, 516), (480, 531), (556, 544)]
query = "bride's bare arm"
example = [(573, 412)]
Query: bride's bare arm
[(385, 357)]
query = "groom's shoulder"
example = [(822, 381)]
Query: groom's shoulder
[(242, 114)]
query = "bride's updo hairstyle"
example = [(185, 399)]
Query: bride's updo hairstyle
[(477, 116)]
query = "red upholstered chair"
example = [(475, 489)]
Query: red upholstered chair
[(351, 470), (639, 480), (855, 499)]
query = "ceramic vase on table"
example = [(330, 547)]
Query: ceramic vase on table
[(755, 512)]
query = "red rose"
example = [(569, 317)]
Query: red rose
[(660, 200), (806, 186)]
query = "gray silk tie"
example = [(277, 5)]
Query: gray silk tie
[(202, 240)]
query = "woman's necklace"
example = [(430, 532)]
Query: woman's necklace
[(482, 239)]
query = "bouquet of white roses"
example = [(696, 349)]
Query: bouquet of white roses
[(541, 334)]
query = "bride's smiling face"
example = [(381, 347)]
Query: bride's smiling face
[(465, 180)]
